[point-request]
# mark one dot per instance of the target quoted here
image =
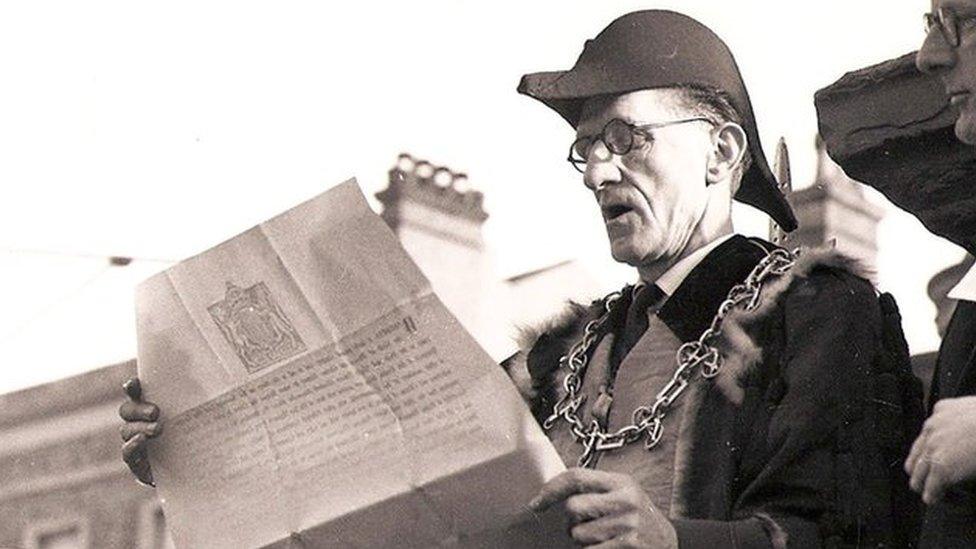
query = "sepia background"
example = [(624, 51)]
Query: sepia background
[(133, 135)]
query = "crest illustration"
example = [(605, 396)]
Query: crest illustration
[(257, 328)]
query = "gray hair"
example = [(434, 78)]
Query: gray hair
[(715, 105)]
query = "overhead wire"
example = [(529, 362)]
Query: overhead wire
[(112, 261)]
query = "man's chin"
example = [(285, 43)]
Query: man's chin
[(627, 253), (623, 253), (965, 127)]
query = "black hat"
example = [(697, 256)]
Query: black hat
[(657, 49)]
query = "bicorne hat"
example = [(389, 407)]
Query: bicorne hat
[(657, 49)]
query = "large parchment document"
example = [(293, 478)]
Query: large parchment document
[(316, 393)]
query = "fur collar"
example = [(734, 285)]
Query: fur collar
[(688, 312)]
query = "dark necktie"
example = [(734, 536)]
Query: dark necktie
[(648, 300)]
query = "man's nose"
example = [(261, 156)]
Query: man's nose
[(935, 53), (601, 168)]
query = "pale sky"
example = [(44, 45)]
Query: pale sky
[(158, 129)]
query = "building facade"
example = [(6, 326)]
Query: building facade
[(834, 211), (62, 484)]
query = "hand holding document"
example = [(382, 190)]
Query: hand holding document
[(316, 393)]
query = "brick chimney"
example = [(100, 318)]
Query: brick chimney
[(438, 220)]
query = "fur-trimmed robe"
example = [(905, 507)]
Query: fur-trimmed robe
[(787, 443)]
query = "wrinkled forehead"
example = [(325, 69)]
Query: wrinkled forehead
[(642, 106), (961, 7)]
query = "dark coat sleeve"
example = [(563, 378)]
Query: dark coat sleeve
[(804, 473)]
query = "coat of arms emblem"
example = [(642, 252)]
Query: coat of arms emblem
[(255, 326)]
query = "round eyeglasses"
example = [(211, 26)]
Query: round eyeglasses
[(619, 137)]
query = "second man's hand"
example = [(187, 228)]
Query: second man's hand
[(945, 452)]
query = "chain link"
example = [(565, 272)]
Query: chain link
[(700, 355)]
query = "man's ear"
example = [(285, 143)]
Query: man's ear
[(729, 144)]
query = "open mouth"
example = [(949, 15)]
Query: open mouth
[(612, 212)]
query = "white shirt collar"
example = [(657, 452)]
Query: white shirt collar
[(673, 277), (966, 289)]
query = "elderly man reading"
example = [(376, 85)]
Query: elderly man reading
[(728, 398)]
